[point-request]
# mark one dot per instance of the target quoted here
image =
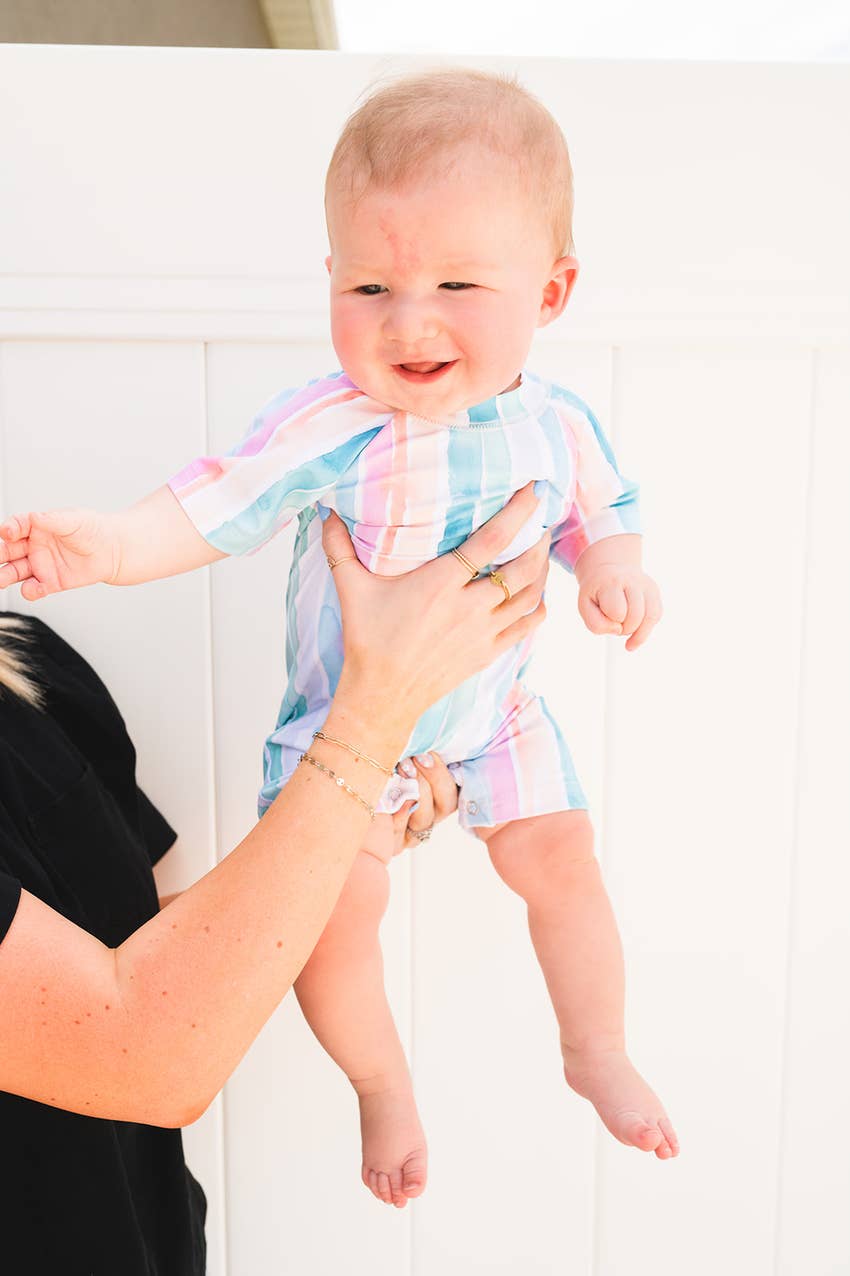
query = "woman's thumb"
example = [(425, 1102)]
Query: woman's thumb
[(336, 541)]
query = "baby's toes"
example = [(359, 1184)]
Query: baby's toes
[(636, 1130), (384, 1191), (670, 1145), (397, 1188), (413, 1176)]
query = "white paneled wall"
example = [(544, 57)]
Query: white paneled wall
[(161, 276)]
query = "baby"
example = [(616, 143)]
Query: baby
[(449, 202)]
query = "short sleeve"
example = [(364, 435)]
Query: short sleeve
[(605, 503), (157, 834), (297, 448), (10, 895)]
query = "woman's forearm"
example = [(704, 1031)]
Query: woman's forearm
[(197, 982)]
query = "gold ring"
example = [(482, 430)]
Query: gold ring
[(498, 579), (335, 562), (470, 567)]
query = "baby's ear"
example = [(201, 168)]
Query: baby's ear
[(328, 263), (556, 292)]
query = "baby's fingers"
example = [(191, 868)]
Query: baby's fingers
[(15, 528), (613, 603), (596, 619), (646, 626), (11, 573)]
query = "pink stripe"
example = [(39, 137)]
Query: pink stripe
[(401, 465), (197, 474), (315, 395), (375, 483)]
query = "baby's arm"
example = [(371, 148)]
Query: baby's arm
[(66, 549), (615, 594), (600, 541)]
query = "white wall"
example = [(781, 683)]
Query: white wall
[(161, 248)]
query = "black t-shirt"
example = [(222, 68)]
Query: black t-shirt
[(82, 1196)]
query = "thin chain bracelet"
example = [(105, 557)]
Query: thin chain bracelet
[(337, 779), (320, 735)]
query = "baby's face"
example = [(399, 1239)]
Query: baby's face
[(436, 290)]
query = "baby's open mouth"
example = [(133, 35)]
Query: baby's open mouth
[(423, 371)]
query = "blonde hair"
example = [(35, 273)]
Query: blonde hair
[(14, 672), (402, 130)]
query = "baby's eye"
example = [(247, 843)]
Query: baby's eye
[(456, 287), (370, 290)]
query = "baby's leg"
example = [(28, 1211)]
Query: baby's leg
[(549, 861), (341, 992)]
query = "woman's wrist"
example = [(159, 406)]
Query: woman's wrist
[(371, 719)]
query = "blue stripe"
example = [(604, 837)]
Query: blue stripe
[(298, 488)]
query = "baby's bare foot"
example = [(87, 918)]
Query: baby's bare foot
[(395, 1155), (628, 1107)]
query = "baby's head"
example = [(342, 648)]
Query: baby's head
[(449, 207)]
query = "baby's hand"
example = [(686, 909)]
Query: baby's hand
[(618, 599), (62, 549)]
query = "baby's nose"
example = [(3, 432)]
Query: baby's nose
[(408, 323)]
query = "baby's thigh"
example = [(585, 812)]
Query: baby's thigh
[(541, 850)]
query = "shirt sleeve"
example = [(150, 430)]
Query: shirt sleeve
[(157, 833), (10, 895), (605, 503), (297, 448)]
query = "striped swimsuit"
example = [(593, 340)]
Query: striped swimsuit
[(409, 489)]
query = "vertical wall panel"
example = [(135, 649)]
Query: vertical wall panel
[(814, 1181), (103, 424), (701, 797)]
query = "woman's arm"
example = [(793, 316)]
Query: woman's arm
[(151, 1031)]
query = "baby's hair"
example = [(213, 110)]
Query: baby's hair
[(403, 129)]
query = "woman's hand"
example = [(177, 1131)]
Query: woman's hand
[(437, 800), (409, 640)]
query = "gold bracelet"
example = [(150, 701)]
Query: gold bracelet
[(320, 735), (337, 779)]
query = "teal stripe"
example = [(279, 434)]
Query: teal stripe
[(298, 488)]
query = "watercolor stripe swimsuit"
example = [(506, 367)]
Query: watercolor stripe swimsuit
[(408, 490)]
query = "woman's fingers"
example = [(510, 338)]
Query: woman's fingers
[(337, 544), (438, 794), (440, 784), (525, 578), (520, 629), (494, 536)]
